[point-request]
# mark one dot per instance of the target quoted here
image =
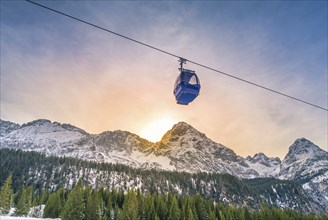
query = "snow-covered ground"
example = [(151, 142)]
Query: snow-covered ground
[(36, 211), (22, 218)]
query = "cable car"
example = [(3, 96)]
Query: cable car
[(187, 85)]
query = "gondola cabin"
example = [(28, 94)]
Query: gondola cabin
[(187, 87)]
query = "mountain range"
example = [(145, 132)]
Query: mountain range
[(183, 148)]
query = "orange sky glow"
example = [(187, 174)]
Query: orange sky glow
[(65, 71)]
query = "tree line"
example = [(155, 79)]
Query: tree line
[(44, 173), (85, 203)]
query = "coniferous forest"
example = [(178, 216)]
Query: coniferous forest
[(82, 200)]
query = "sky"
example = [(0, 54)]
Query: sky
[(56, 68)]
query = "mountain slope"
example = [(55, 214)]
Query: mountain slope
[(43, 136), (120, 147), (66, 140), (54, 172), (182, 148), (6, 127), (263, 165), (191, 151), (307, 164), (304, 160)]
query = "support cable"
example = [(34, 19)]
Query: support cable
[(176, 56)]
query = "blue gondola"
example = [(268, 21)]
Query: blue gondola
[(187, 86)]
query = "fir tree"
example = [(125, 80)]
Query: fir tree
[(74, 206), (54, 204), (201, 208), (151, 213), (93, 209), (212, 216), (161, 208), (115, 213), (109, 210), (190, 215), (119, 198), (130, 207), (174, 212), (141, 205), (246, 214), (44, 198), (6, 196), (24, 203)]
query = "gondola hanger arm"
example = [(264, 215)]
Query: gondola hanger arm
[(182, 61)]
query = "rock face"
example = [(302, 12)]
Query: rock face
[(43, 136), (182, 148), (6, 127), (191, 151), (307, 164), (263, 165), (304, 160)]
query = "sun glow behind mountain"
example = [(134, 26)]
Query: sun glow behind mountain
[(128, 87), (155, 130)]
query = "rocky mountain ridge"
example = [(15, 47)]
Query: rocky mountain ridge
[(183, 148), (186, 148)]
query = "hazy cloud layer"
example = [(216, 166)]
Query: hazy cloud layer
[(56, 68)]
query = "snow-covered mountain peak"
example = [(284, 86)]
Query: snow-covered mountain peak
[(122, 138), (303, 147), (183, 138), (263, 159), (47, 124), (117, 134), (42, 135), (70, 127), (182, 129), (308, 163), (191, 151), (260, 156), (119, 141), (38, 122), (304, 159), (6, 127), (263, 165)]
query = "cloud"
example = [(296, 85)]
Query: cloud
[(57, 68)]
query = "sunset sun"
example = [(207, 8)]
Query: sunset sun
[(155, 130)]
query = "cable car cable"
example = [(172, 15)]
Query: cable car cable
[(260, 86), (174, 55), (104, 29)]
